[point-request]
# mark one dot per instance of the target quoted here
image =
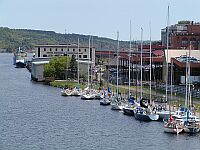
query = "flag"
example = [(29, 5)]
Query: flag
[(109, 90)]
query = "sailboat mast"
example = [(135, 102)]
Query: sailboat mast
[(129, 66), (171, 80), (150, 50), (189, 90), (117, 62), (78, 61), (141, 62), (89, 62), (186, 82), (166, 82)]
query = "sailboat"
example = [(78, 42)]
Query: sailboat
[(173, 124), (88, 93), (191, 122), (116, 103), (66, 91), (106, 100), (77, 91), (129, 109), (144, 112)]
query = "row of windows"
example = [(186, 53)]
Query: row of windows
[(85, 50), (50, 55)]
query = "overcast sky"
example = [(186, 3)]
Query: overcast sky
[(97, 17)]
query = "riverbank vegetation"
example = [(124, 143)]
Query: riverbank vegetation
[(61, 68), (11, 39)]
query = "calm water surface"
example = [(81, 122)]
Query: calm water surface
[(35, 116)]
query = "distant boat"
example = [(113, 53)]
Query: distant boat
[(88, 93), (99, 94), (173, 124), (76, 92), (116, 100), (20, 58), (66, 92), (106, 100), (130, 108), (191, 123), (144, 112)]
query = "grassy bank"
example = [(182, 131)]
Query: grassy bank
[(70, 84)]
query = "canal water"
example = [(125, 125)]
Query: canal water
[(35, 116)]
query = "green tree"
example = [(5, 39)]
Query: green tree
[(73, 67), (57, 67)]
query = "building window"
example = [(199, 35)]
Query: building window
[(56, 49), (50, 49), (193, 41), (73, 50), (184, 41), (62, 49), (44, 55), (79, 50), (85, 50), (45, 49), (84, 56), (68, 50), (80, 56), (38, 51)]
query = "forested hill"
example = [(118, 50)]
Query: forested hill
[(11, 39)]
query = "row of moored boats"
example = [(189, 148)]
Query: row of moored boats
[(179, 121)]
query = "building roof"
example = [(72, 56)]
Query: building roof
[(62, 45), (158, 52), (40, 62), (183, 64), (85, 62), (173, 53)]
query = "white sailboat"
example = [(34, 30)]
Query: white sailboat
[(66, 91), (191, 122), (106, 100), (116, 99), (88, 94), (146, 114), (129, 109), (171, 125), (77, 91)]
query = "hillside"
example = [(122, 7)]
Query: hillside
[(11, 39)]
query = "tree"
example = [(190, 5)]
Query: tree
[(57, 67), (73, 67)]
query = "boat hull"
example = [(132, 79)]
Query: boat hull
[(154, 117), (191, 130), (105, 102), (128, 111), (87, 97), (142, 117), (20, 64), (172, 130), (116, 107)]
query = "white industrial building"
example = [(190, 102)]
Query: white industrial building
[(84, 56), (70, 49), (38, 70)]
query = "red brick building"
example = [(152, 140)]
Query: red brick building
[(181, 35)]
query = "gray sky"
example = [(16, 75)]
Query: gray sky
[(97, 17)]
